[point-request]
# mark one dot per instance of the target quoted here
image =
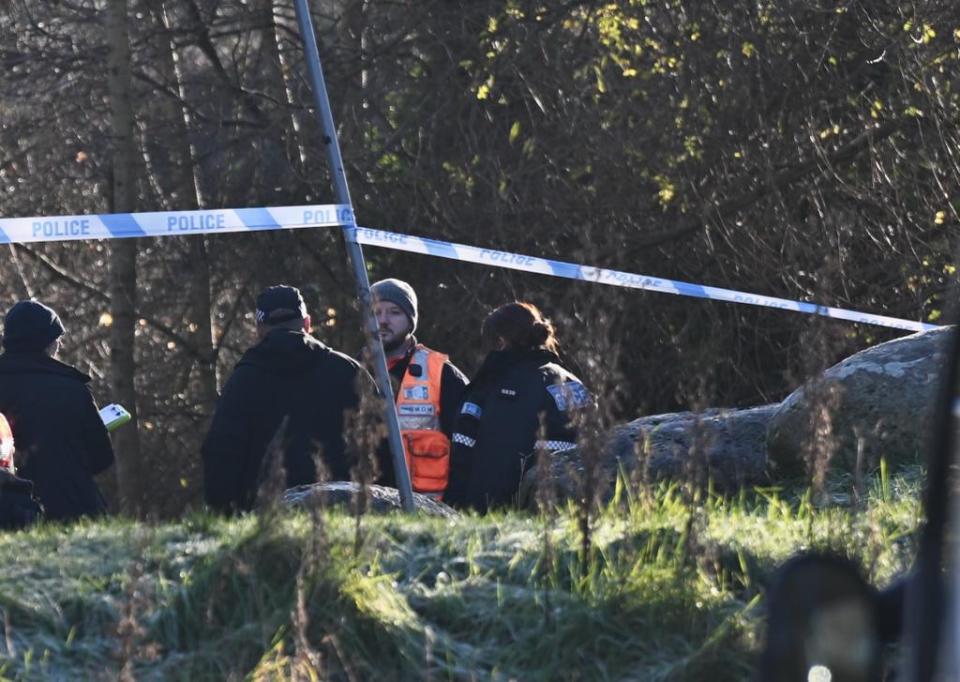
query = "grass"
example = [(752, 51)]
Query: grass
[(670, 590)]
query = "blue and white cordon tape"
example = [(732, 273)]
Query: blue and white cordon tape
[(543, 266), (179, 223), (170, 223)]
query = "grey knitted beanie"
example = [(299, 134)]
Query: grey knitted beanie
[(400, 293)]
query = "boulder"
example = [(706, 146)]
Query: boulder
[(731, 442), (342, 494), (885, 395)]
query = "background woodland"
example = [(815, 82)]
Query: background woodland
[(803, 149)]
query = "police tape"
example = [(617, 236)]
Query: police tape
[(171, 223), (543, 266), (216, 221)]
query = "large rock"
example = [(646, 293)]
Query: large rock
[(731, 443), (886, 394), (343, 494)]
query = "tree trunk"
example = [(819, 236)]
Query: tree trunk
[(191, 190), (285, 69), (123, 261)]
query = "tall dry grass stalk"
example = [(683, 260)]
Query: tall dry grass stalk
[(546, 501), (273, 476), (820, 445), (600, 374), (308, 660), (639, 480), (820, 343), (132, 643), (697, 465), (366, 436)]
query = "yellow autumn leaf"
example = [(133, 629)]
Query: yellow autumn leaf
[(514, 131)]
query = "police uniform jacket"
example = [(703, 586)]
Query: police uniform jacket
[(288, 374), (498, 424), (61, 440)]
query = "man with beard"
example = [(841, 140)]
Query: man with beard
[(427, 387)]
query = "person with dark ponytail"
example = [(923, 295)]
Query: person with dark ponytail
[(522, 401)]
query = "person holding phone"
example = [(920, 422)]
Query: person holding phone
[(61, 440)]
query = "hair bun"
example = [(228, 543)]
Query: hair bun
[(519, 326), (540, 332)]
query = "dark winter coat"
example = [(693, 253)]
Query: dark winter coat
[(18, 507), (499, 424), (61, 440), (288, 374)]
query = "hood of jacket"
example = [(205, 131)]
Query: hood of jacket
[(15, 362), (499, 361), (285, 351)]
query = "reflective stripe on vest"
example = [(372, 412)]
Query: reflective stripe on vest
[(418, 408)]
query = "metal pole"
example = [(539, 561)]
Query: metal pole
[(371, 328)]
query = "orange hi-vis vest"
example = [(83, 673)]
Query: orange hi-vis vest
[(426, 447), (6, 446)]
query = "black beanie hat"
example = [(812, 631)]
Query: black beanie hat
[(400, 293), (280, 303), (30, 326)]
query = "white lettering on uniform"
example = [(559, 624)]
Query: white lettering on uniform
[(569, 395), (415, 409), (416, 393)]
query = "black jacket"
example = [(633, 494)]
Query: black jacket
[(289, 373), (60, 439), (499, 423)]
